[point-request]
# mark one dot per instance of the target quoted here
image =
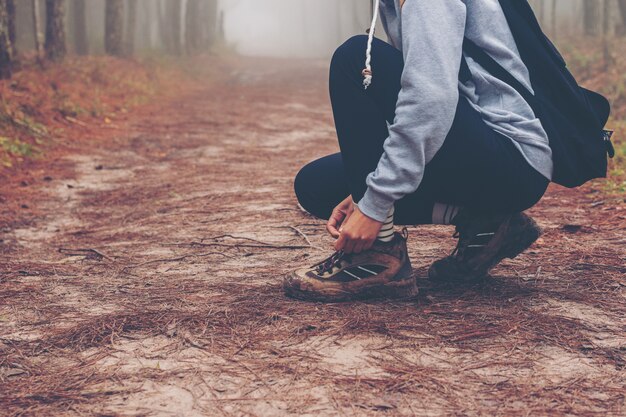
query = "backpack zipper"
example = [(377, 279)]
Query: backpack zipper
[(607, 134)]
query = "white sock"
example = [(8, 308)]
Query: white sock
[(444, 213), (386, 231)]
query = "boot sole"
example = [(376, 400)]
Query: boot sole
[(314, 290)]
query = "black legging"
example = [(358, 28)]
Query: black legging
[(475, 167)]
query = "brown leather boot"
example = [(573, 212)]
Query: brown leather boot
[(384, 270), (484, 241)]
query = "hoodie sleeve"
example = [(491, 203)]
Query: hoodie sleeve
[(432, 41)]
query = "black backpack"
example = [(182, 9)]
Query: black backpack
[(573, 117)]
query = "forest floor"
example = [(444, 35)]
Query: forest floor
[(140, 274)]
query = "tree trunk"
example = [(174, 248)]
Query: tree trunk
[(131, 27), (622, 12), (221, 33), (6, 51), (37, 28), (55, 30), (114, 27), (175, 16), (213, 23), (170, 22), (147, 19), (590, 17), (165, 29), (12, 31), (606, 17), (193, 26), (80, 27)]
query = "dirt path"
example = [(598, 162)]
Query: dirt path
[(143, 279)]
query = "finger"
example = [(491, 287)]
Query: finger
[(367, 244), (346, 203), (334, 220), (359, 247), (364, 245), (338, 216), (332, 230), (339, 244), (349, 246), (348, 214)]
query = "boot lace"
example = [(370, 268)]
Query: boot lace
[(461, 244), (333, 261), (466, 240)]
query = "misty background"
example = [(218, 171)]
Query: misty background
[(278, 28)]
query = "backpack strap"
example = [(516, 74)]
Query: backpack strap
[(495, 69)]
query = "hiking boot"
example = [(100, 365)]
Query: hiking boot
[(384, 270), (484, 241)]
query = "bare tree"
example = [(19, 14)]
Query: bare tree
[(193, 26), (147, 20), (622, 11), (591, 16), (170, 25), (81, 40), (606, 17), (11, 12), (175, 14), (114, 27), (131, 27), (56, 47), (213, 23), (221, 34), (6, 50), (37, 28), (166, 31), (201, 24)]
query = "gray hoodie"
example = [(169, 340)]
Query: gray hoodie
[(430, 35)]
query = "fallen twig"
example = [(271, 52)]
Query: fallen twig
[(298, 231), (178, 259), (75, 121), (582, 265), (88, 253), (243, 245)]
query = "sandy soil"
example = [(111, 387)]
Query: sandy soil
[(142, 276)]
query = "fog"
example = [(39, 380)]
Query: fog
[(316, 27), (293, 27), (278, 28)]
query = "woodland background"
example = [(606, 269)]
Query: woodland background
[(35, 34)]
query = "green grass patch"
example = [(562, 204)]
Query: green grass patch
[(14, 149), (22, 122), (68, 108)]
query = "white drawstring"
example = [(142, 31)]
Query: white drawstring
[(367, 72)]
